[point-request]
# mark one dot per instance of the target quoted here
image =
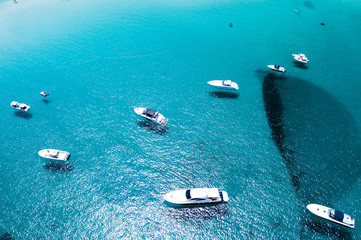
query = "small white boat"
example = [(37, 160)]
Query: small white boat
[(20, 106), (332, 215), (53, 154), (300, 57), (196, 197), (151, 115), (44, 94), (277, 68), (224, 84)]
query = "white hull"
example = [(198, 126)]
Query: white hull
[(325, 213), (20, 106), (54, 155), (300, 57), (274, 68), (224, 84), (196, 197), (156, 118)]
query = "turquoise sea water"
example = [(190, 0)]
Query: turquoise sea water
[(282, 141)]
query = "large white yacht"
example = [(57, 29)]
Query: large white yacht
[(300, 57), (195, 197), (277, 68), (224, 84), (19, 106), (332, 215), (151, 115), (55, 155)]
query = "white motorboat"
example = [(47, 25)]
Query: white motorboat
[(224, 84), (53, 154), (277, 68), (332, 215), (151, 115), (44, 94), (300, 57), (195, 197), (20, 106)]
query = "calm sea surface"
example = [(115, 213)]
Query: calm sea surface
[(279, 143)]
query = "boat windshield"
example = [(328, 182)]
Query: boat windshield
[(188, 194), (337, 215)]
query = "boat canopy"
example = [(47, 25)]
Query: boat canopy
[(150, 113), (204, 193), (337, 215)]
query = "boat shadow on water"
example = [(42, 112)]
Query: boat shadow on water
[(46, 101), (22, 114), (317, 226), (298, 64), (198, 213), (152, 127), (221, 94), (59, 167)]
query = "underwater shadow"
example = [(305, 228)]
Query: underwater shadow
[(152, 127), (316, 226), (46, 101), (298, 64), (308, 4), (220, 94), (6, 236), (315, 134), (23, 114), (59, 167), (198, 213)]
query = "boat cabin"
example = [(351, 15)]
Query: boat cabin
[(150, 113), (337, 215), (203, 194)]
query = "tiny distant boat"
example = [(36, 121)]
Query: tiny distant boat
[(151, 115), (332, 215), (224, 84), (19, 106), (300, 57), (277, 68), (53, 154), (44, 94), (195, 197)]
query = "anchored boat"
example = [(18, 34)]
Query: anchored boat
[(300, 57), (195, 197), (332, 215), (19, 106), (151, 115), (55, 155), (277, 68), (224, 84)]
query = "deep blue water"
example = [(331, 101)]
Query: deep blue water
[(282, 141)]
